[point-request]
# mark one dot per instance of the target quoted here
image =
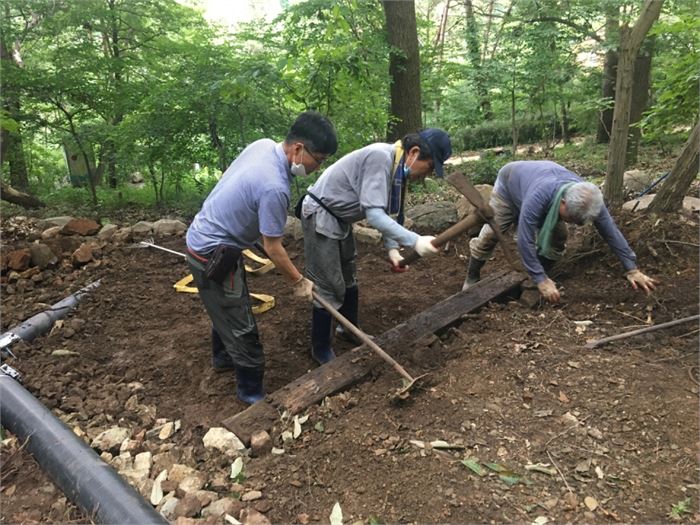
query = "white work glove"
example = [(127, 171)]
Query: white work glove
[(303, 288), (549, 290), (395, 259), (638, 280), (424, 246)]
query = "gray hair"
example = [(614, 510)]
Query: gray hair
[(584, 201)]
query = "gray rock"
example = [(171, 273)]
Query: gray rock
[(293, 228), (107, 232), (691, 204), (142, 229), (123, 234), (432, 218), (42, 256), (367, 235), (54, 221), (464, 207), (51, 233), (636, 181), (111, 439), (222, 506), (165, 227)]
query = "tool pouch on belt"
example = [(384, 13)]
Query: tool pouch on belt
[(222, 261)]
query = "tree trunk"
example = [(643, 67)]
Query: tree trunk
[(565, 135), (474, 53), (612, 30), (641, 85), (404, 68), (672, 191), (513, 127), (12, 148), (630, 42), (9, 194)]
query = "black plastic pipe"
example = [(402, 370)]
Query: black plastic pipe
[(74, 467), (41, 322)]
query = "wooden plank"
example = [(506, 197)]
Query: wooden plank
[(351, 367)]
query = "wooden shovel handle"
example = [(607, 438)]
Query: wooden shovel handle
[(362, 336), (470, 221)]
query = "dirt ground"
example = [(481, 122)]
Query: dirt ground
[(539, 428)]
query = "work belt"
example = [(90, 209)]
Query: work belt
[(218, 263)]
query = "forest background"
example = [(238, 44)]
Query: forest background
[(148, 90)]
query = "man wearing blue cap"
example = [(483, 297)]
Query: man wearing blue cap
[(368, 183)]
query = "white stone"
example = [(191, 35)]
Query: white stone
[(221, 439), (164, 227), (167, 509), (192, 483), (178, 472), (111, 439)]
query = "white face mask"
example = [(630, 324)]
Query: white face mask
[(299, 170)]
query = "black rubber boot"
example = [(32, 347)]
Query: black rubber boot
[(473, 272), (321, 336), (249, 384), (350, 312), (220, 359)]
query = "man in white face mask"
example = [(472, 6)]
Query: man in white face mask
[(250, 201), (369, 183)]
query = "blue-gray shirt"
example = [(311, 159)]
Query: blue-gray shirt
[(529, 186), (251, 199)]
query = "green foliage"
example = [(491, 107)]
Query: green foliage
[(676, 97), (485, 170), (499, 133), (679, 509), (148, 86)]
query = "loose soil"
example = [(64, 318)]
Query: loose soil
[(581, 435)]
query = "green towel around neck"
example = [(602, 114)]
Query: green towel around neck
[(544, 237)]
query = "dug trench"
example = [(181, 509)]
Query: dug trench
[(515, 422)]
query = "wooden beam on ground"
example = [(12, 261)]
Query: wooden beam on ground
[(351, 367)]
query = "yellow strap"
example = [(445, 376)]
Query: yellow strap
[(397, 157), (268, 301), (267, 264)]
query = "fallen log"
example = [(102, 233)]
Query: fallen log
[(10, 194), (351, 367)]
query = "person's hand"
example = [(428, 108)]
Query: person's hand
[(303, 288), (395, 259), (549, 290), (424, 246), (638, 280)]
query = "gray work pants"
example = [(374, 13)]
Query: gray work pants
[(505, 216), (228, 305), (330, 263)]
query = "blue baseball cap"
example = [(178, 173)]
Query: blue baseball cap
[(440, 147)]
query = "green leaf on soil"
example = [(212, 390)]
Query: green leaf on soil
[(474, 466), (506, 476), (318, 427), (496, 467)]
